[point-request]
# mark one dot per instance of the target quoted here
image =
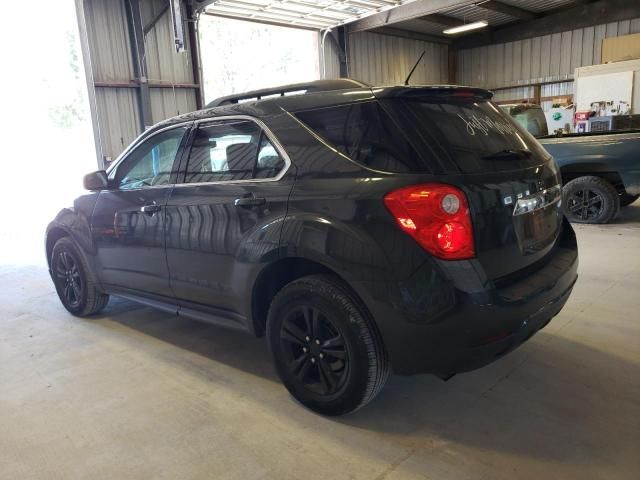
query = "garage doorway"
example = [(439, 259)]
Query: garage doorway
[(50, 144), (239, 56)]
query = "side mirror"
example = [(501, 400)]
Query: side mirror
[(96, 180)]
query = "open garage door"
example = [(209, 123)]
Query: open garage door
[(268, 55)]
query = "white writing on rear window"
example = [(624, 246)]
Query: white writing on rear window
[(482, 123)]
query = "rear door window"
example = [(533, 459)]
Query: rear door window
[(232, 150), (366, 134)]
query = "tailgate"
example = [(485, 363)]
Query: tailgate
[(516, 217), (511, 182)]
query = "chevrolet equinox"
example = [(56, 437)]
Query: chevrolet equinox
[(359, 229)]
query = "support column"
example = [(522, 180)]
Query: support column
[(138, 55), (452, 65), (344, 51), (194, 52)]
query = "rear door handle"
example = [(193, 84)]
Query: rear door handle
[(150, 209), (249, 201)]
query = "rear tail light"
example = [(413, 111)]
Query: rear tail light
[(436, 216)]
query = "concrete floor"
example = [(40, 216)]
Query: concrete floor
[(138, 394)]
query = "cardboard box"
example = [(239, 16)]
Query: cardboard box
[(617, 49)]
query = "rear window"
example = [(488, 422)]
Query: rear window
[(530, 118), (366, 134), (426, 134), (466, 132)]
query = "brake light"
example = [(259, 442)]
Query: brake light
[(436, 216)]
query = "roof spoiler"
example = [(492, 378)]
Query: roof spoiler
[(436, 90), (292, 89)]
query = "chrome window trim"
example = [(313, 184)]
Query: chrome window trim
[(137, 189), (270, 135)]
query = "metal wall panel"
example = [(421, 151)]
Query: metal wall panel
[(548, 58), (331, 67), (108, 40), (556, 89), (117, 109), (164, 64), (385, 60), (517, 93), (169, 102), (119, 119)]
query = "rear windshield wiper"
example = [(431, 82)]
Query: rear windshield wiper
[(507, 154)]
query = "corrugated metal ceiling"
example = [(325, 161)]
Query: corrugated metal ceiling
[(474, 12), (318, 14), (321, 14), (538, 5)]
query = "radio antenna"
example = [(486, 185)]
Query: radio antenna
[(406, 82)]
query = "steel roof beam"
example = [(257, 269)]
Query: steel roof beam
[(444, 20), (156, 19), (561, 20), (408, 11), (423, 37)]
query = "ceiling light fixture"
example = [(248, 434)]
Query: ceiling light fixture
[(466, 27)]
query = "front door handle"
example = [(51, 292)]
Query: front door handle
[(150, 209), (249, 201)]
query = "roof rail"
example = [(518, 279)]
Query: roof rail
[(293, 89)]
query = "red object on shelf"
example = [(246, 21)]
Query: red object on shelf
[(582, 116), (582, 121)]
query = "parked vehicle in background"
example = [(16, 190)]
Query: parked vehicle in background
[(530, 116), (358, 229), (600, 173), (599, 170)]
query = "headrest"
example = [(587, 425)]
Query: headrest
[(270, 161), (241, 156)]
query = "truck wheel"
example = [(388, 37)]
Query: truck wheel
[(74, 281), (325, 347), (626, 199), (590, 200)]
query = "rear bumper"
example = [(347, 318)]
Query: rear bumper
[(477, 356), (480, 324)]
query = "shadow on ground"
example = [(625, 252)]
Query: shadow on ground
[(549, 399)]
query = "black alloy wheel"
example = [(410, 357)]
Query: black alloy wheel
[(315, 350), (68, 279), (325, 345), (585, 204), (590, 199), (74, 281)]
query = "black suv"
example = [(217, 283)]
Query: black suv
[(357, 228)]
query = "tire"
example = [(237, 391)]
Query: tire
[(590, 200), (74, 281), (626, 199), (325, 346)]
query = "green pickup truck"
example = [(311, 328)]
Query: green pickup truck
[(600, 171)]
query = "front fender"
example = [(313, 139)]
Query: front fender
[(74, 222)]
